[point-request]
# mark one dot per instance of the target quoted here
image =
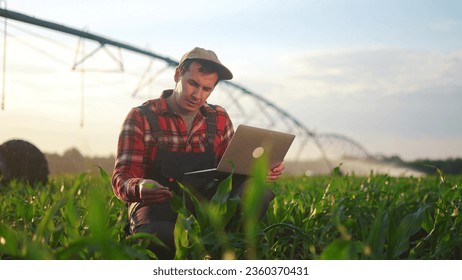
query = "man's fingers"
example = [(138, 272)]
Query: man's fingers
[(155, 195)]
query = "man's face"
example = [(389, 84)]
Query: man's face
[(193, 88)]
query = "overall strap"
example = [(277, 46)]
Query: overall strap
[(152, 119), (211, 127)]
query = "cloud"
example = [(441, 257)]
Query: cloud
[(401, 101), (446, 25), (377, 71)]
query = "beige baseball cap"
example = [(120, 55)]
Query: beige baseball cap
[(203, 54)]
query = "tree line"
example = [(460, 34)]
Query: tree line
[(450, 166), (72, 162)]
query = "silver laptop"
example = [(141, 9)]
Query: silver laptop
[(248, 144)]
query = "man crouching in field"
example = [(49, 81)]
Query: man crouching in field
[(167, 136)]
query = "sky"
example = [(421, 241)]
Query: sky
[(384, 73)]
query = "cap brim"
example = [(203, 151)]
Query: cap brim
[(223, 72)]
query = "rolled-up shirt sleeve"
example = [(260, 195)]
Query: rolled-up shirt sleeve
[(129, 164)]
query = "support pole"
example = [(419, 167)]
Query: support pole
[(3, 6)]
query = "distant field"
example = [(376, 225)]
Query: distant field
[(318, 217)]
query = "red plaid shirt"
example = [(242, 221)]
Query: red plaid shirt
[(137, 147)]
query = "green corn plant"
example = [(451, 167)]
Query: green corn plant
[(213, 231), (316, 217), (70, 220), (203, 235), (252, 204)]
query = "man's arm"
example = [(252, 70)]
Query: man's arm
[(129, 165)]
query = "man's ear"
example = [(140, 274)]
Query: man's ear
[(177, 75)]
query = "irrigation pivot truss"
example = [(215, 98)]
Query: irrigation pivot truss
[(242, 104)]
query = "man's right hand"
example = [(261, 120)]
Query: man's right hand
[(151, 191)]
